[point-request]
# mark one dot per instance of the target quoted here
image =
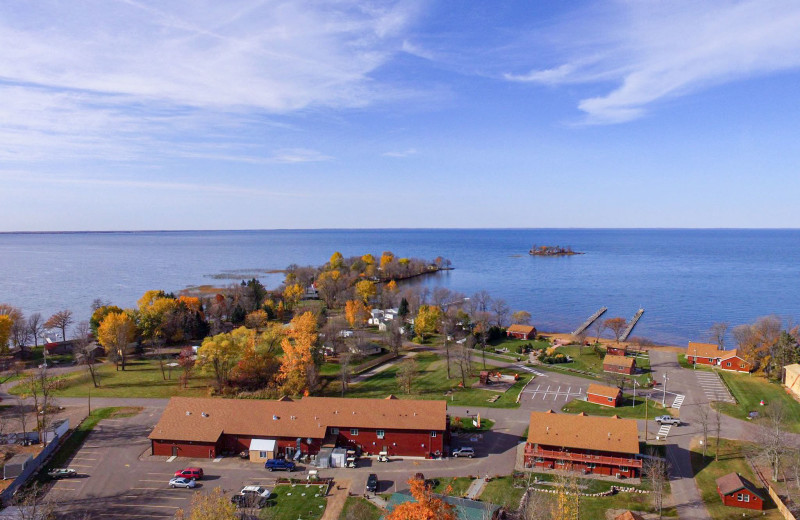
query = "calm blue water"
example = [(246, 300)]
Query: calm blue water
[(685, 279)]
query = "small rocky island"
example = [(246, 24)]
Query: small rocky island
[(552, 251)]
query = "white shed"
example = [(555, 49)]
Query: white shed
[(262, 449)]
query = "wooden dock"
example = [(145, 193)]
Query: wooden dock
[(631, 325), (591, 320)]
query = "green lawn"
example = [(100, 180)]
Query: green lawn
[(465, 424), (637, 411), (353, 503), (139, 379), (685, 364), (585, 359), (749, 390), (431, 383), (298, 502), (501, 491), (593, 508), (708, 471), (78, 436), (452, 486)]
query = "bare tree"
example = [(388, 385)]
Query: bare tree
[(20, 334), (704, 416), (31, 503), (186, 360), (448, 326), (36, 327), (83, 349), (41, 387), (345, 370), (21, 412), (521, 318), (599, 326), (718, 433), (394, 336), (773, 439), (656, 471), (464, 359), (406, 373), (60, 320), (482, 301), (501, 312), (717, 333), (537, 505), (579, 339), (482, 330)]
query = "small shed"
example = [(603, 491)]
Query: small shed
[(521, 331), (617, 350), (262, 450), (16, 465), (791, 378), (619, 364), (737, 491), (604, 395), (324, 458), (338, 458)]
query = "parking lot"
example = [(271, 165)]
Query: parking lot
[(554, 392), (712, 387)]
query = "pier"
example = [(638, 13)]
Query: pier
[(631, 325), (591, 320)]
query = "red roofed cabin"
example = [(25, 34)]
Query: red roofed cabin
[(618, 350), (604, 395), (737, 491), (208, 427), (521, 331), (588, 444), (619, 364), (710, 354)]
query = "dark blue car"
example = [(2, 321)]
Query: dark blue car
[(279, 464)]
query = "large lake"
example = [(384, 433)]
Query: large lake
[(685, 279)]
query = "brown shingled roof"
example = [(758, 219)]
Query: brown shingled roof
[(622, 361), (733, 482), (602, 390), (205, 419), (705, 350), (584, 432), (525, 329)]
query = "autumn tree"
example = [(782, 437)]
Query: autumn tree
[(406, 372), (255, 370), (83, 349), (214, 505), (292, 294), (366, 290), (60, 320), (426, 505), (186, 360), (356, 313), (387, 257), (428, 318), (656, 471), (773, 439), (717, 334), (568, 498), (257, 319), (336, 261), (295, 364), (100, 313), (5, 332), (616, 326), (115, 333), (219, 354), (521, 318)]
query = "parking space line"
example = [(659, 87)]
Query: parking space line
[(143, 505), (133, 515), (150, 488)]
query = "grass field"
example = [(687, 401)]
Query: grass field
[(465, 424), (299, 502), (513, 344), (637, 411), (452, 486), (139, 379), (749, 390), (500, 491), (353, 504), (585, 359), (431, 383), (708, 471)]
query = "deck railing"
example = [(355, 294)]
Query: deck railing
[(583, 457)]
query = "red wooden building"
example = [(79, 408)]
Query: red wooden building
[(587, 444), (208, 427), (710, 354), (604, 395), (617, 350), (521, 331), (619, 364), (737, 491)]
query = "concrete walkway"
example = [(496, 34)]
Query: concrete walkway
[(476, 488)]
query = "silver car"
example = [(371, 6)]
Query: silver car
[(182, 482)]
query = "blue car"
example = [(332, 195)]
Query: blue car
[(279, 464)]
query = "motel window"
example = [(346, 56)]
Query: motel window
[(591, 465), (262, 454), (353, 431), (380, 433), (334, 431), (728, 364), (740, 497), (539, 459), (433, 434), (623, 469), (610, 399)]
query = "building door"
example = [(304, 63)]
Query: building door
[(174, 451)]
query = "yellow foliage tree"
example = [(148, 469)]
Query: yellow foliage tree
[(356, 313), (209, 506), (368, 259), (366, 290), (292, 294), (391, 286), (386, 258), (428, 317), (5, 332), (219, 354), (295, 364), (337, 260), (425, 506), (304, 326), (115, 333), (257, 319)]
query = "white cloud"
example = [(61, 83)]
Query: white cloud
[(94, 76), (403, 153), (655, 51)]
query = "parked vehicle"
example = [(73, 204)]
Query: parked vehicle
[(383, 456), (192, 473), (372, 483), (62, 473), (182, 482), (255, 491), (465, 451), (352, 462), (279, 464), (668, 419)]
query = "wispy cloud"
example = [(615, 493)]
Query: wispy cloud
[(403, 153), (655, 51), (93, 78)]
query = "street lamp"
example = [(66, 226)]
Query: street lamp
[(695, 358), (664, 395), (634, 393)]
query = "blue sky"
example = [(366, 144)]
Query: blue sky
[(293, 114)]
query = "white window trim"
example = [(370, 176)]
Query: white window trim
[(354, 432)]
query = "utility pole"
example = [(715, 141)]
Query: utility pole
[(664, 395), (634, 393)]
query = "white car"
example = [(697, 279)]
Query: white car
[(668, 419), (466, 451), (182, 482), (255, 490)]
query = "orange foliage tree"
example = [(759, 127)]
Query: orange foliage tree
[(424, 507), (297, 362), (356, 313)]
